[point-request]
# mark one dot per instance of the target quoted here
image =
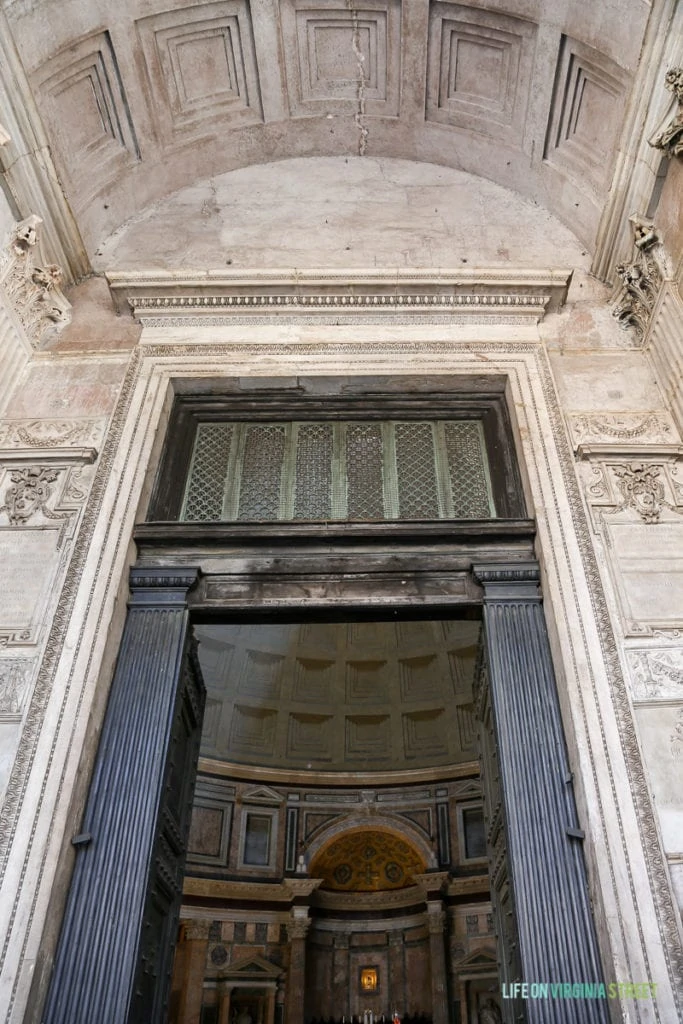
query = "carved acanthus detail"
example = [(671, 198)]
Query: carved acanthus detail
[(29, 493), (670, 138), (642, 278), (33, 291)]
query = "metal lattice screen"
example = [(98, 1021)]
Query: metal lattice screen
[(323, 470)]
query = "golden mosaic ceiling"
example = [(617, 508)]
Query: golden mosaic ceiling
[(367, 861)]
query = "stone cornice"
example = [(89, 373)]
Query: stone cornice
[(338, 779), (478, 292)]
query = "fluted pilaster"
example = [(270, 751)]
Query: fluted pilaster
[(115, 950)]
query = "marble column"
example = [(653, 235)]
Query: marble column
[(115, 950), (436, 921), (224, 1001), (195, 940), (555, 934), (396, 996), (340, 975), (297, 929), (270, 1006)]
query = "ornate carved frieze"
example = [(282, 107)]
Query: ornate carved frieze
[(623, 428), (33, 290), (656, 673), (51, 433), (641, 278), (670, 138)]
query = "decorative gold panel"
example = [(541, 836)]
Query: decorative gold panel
[(367, 861)]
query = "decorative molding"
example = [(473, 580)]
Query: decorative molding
[(33, 291), (641, 279), (85, 455), (485, 291), (656, 674), (670, 138)]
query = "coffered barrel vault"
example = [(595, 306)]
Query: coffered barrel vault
[(141, 101)]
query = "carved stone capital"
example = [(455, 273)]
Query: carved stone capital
[(669, 138), (516, 581), (196, 931), (32, 288), (436, 917), (297, 927), (152, 585)]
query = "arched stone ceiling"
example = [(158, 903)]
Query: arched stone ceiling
[(145, 97), (342, 212)]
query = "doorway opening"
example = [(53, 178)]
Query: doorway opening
[(337, 818)]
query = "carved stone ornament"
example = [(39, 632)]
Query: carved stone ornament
[(642, 489), (15, 674), (677, 738), (29, 493), (657, 674), (641, 279), (670, 138), (643, 428), (33, 291)]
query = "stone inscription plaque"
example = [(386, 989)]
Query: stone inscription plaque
[(28, 561)]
